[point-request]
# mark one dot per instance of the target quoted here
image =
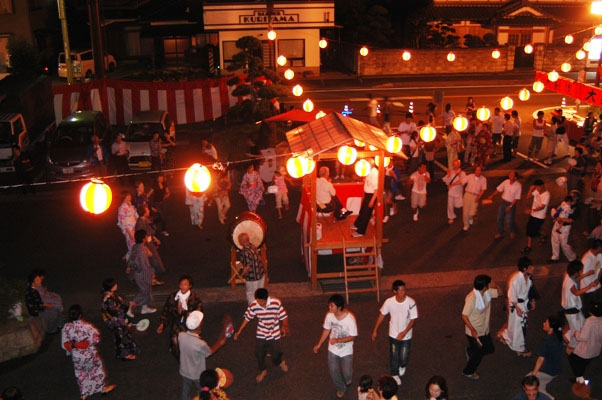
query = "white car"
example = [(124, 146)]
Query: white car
[(140, 132), (83, 64)]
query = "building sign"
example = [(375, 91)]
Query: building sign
[(262, 17)]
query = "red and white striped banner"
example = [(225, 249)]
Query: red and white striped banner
[(186, 102)]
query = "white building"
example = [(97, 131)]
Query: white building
[(297, 25)]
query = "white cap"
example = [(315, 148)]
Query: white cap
[(194, 320)]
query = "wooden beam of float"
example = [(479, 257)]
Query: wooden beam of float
[(320, 139)]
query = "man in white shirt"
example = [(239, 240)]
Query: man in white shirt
[(326, 196), (476, 185), (454, 180), (370, 188), (476, 315), (405, 130), (497, 127), (571, 300), (418, 180), (340, 325), (592, 261), (539, 208), (510, 189), (403, 312)]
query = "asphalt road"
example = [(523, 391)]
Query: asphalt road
[(50, 231), (437, 348)]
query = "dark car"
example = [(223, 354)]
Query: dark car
[(68, 148)]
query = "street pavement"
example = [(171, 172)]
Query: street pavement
[(78, 251), (437, 348)]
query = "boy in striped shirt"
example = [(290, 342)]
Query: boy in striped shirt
[(269, 312)]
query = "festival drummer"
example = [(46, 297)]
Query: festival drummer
[(253, 270)]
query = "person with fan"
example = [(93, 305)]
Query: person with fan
[(114, 313)]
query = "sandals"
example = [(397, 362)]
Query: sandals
[(108, 389)]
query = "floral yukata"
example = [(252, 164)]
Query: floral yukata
[(79, 339), (126, 221), (197, 207), (252, 189), (114, 310)]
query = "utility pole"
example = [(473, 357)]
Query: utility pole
[(66, 46), (96, 37)]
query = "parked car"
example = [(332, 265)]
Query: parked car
[(83, 64), (68, 148), (140, 132), (12, 132)]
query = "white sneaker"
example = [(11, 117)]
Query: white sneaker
[(399, 197), (148, 310), (416, 217), (397, 379), (385, 219), (402, 371)]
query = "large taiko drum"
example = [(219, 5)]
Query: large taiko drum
[(250, 223)]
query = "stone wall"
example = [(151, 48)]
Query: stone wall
[(434, 61)]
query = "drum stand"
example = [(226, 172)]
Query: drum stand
[(235, 266)]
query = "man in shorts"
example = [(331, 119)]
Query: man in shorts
[(418, 180)]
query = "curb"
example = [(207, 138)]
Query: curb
[(298, 290)]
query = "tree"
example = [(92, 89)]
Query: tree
[(473, 41), (24, 58), (441, 35), (260, 86)]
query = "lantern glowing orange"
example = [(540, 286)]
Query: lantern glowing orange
[(495, 54), (271, 35), (297, 166), (528, 49), (320, 114), (95, 197), (323, 43), (580, 55), (386, 164), (553, 76), (460, 123), (524, 94), (359, 143), (538, 86), (362, 167), (428, 133), (364, 51), (310, 165), (483, 113), (347, 155), (451, 57), (506, 103), (394, 144), (587, 46), (565, 67), (568, 39), (598, 30), (281, 60), (406, 55), (197, 178), (308, 105), (289, 74), (297, 90)]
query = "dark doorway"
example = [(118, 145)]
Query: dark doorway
[(523, 60)]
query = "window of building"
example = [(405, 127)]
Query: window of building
[(513, 39), (293, 50), (228, 50), (175, 48), (6, 7), (525, 38)]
